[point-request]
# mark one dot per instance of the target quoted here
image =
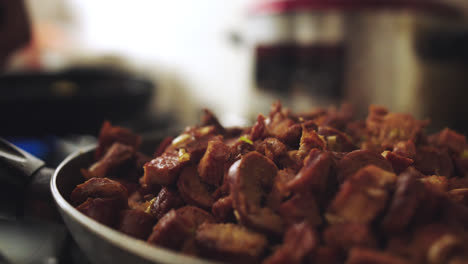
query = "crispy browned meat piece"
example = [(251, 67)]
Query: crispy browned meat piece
[(405, 149), (461, 165), (399, 162), (197, 142), (315, 176), (166, 200), (196, 216), (355, 160), (164, 169), (348, 235), (292, 161), (99, 188), (282, 127), (336, 140), (251, 180), (362, 197), (459, 196), (222, 209), (239, 148), (103, 210), (435, 183), (433, 206), (136, 223), (387, 129), (171, 231), (407, 198), (449, 139), (110, 134), (435, 243), (301, 207), (327, 255), (285, 130), (211, 166), (116, 156), (299, 241), (230, 243), (290, 189), (279, 190), (457, 183), (258, 130), (369, 256), (433, 161), (193, 190), (310, 139), (272, 148), (177, 226), (130, 185)]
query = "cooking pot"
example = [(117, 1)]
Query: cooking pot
[(408, 55), (100, 243)]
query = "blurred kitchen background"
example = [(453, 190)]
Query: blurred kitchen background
[(153, 65)]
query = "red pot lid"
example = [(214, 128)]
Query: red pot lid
[(285, 6)]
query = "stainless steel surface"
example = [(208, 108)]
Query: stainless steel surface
[(385, 67), (382, 59), (99, 242)]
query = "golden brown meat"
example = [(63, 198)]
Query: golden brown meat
[(314, 187), (348, 235), (315, 176), (193, 190), (369, 256), (178, 226), (230, 243), (116, 156), (362, 197), (99, 188), (251, 180), (110, 134), (166, 200), (222, 209), (211, 166), (164, 169), (136, 223), (299, 241), (103, 210), (355, 160)]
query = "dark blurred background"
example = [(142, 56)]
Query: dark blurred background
[(68, 65), (151, 65)]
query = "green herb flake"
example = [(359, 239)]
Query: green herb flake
[(183, 155), (394, 133), (148, 208), (464, 154), (246, 140)]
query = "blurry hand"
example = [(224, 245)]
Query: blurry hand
[(14, 28)]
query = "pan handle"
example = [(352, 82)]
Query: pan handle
[(24, 184), (22, 164)]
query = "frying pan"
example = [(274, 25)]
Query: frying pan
[(100, 243)]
